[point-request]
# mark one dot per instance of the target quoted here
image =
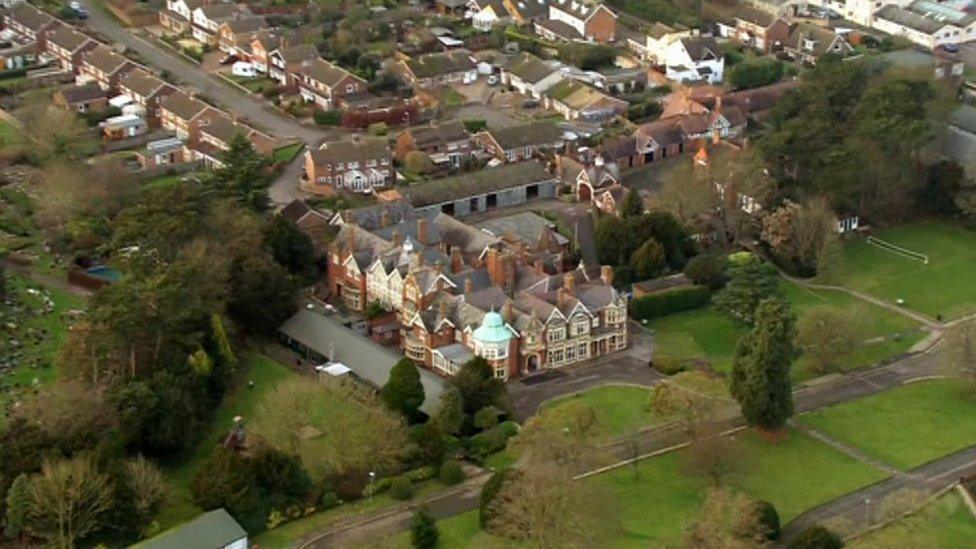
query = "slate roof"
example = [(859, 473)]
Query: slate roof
[(82, 93), (219, 11), (759, 99), (30, 17), (142, 82), (437, 64), (224, 129), (702, 48), (525, 226), (823, 38), (212, 529), (370, 361), (105, 59), (475, 183), (349, 149), (182, 105), (466, 237), (322, 71), (445, 132), (530, 68), (752, 15), (68, 38), (531, 134), (369, 217), (297, 54), (530, 8), (246, 23), (561, 29), (663, 132)]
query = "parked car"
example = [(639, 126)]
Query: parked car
[(530, 104), (81, 13), (229, 60), (951, 48), (74, 5)]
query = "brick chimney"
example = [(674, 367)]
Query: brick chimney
[(351, 239), (501, 269), (569, 283), (422, 231), (397, 238), (384, 218), (468, 285), (606, 274), (457, 260), (539, 267), (507, 312)]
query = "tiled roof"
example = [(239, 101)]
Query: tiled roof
[(476, 183), (84, 92), (369, 217), (224, 129), (530, 68), (182, 105), (141, 82), (359, 148), (438, 64), (532, 134), (219, 11), (67, 38), (246, 23), (445, 132), (702, 48), (30, 17), (561, 29), (296, 54), (105, 59), (322, 71)]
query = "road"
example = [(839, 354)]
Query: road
[(253, 110)]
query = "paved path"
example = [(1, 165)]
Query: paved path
[(47, 280), (845, 448)]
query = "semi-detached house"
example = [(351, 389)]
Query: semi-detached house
[(208, 18), (433, 70), (30, 23), (522, 142), (147, 91), (235, 35), (324, 84), (575, 20), (178, 15), (283, 60), (104, 66), (531, 76), (448, 142), (360, 164), (67, 45), (183, 114)]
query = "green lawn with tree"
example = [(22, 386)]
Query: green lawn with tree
[(906, 426), (945, 286), (946, 522)]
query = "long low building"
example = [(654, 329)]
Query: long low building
[(323, 339), (487, 189)]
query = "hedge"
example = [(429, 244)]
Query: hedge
[(15, 73), (669, 302), (327, 118)]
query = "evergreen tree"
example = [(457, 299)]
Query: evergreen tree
[(403, 392), (761, 367), (632, 205), (750, 280), (17, 499), (290, 246), (227, 480), (244, 174), (649, 260), (478, 386), (423, 530), (450, 413)]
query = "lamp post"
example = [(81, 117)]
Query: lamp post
[(372, 485)]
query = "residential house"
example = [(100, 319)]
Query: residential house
[(146, 90), (611, 198), (760, 30), (283, 60), (657, 38), (445, 143), (104, 66), (695, 59), (531, 76), (178, 15), (216, 135), (82, 98), (433, 70), (207, 19), (123, 127), (524, 12), (619, 80), (214, 529), (755, 103), (234, 36), (522, 142), (325, 84), (361, 164), (575, 100), (482, 190), (488, 14), (587, 173), (30, 23), (311, 221), (169, 151), (450, 7), (183, 114), (66, 45), (807, 43), (572, 20), (927, 23)]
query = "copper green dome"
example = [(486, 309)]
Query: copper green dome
[(492, 329)]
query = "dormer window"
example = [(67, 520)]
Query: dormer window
[(809, 44)]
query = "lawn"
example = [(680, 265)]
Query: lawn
[(656, 506), (286, 154), (943, 287), (166, 180), (944, 523), (9, 135), (708, 335), (906, 426), (619, 408), (242, 401)]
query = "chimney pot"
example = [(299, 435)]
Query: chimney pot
[(422, 230), (606, 274), (457, 260), (539, 268), (468, 285), (384, 218), (569, 283)]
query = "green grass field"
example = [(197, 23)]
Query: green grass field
[(242, 401), (9, 135), (904, 427), (656, 506), (945, 523), (945, 286), (707, 334), (286, 154), (619, 408)]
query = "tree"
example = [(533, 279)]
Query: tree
[(147, 486), (68, 501), (56, 133), (418, 162), (478, 386), (687, 193), (817, 537), (750, 280), (423, 530), (633, 204), (225, 480), (944, 180), (761, 367), (713, 455), (828, 335), (769, 518), (649, 260), (290, 246), (489, 493), (801, 234), (450, 413), (403, 391), (262, 295), (755, 73), (244, 175), (729, 520), (280, 477), (18, 498), (707, 269), (570, 439)]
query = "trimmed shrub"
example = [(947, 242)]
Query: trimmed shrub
[(401, 488), (327, 118), (669, 302), (707, 269), (451, 473), (668, 366), (421, 473), (328, 501), (510, 428), (769, 517), (817, 537), (475, 126)]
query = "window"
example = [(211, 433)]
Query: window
[(354, 165), (595, 322), (340, 166), (384, 162), (350, 88), (580, 326), (581, 350), (556, 334), (570, 354)]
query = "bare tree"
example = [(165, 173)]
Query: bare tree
[(570, 440), (728, 520), (712, 454), (56, 133), (828, 335), (148, 486), (68, 500), (687, 194)]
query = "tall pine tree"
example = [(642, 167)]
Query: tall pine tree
[(761, 368), (403, 392), (750, 280)]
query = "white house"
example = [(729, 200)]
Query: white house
[(927, 23), (487, 14), (530, 75), (695, 59), (653, 48)]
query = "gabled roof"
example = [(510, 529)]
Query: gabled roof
[(755, 16), (659, 30), (224, 129), (298, 209), (219, 11), (578, 96), (560, 29), (105, 59), (531, 134), (68, 38), (469, 239), (528, 9), (30, 17), (663, 132), (822, 39), (530, 68), (355, 149), (322, 71), (437, 64), (370, 217), (445, 132), (578, 9), (475, 183), (182, 105), (297, 54), (142, 82), (82, 93), (246, 23), (702, 48), (527, 227), (212, 529)]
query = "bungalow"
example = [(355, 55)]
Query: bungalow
[(30, 23), (760, 29), (447, 142), (695, 59), (807, 43), (283, 60), (104, 66), (178, 15), (522, 142), (487, 14), (577, 101), (87, 97), (658, 37), (182, 114), (145, 90), (324, 84), (483, 190), (360, 164), (66, 45), (235, 35), (433, 70), (530, 76), (207, 19)]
